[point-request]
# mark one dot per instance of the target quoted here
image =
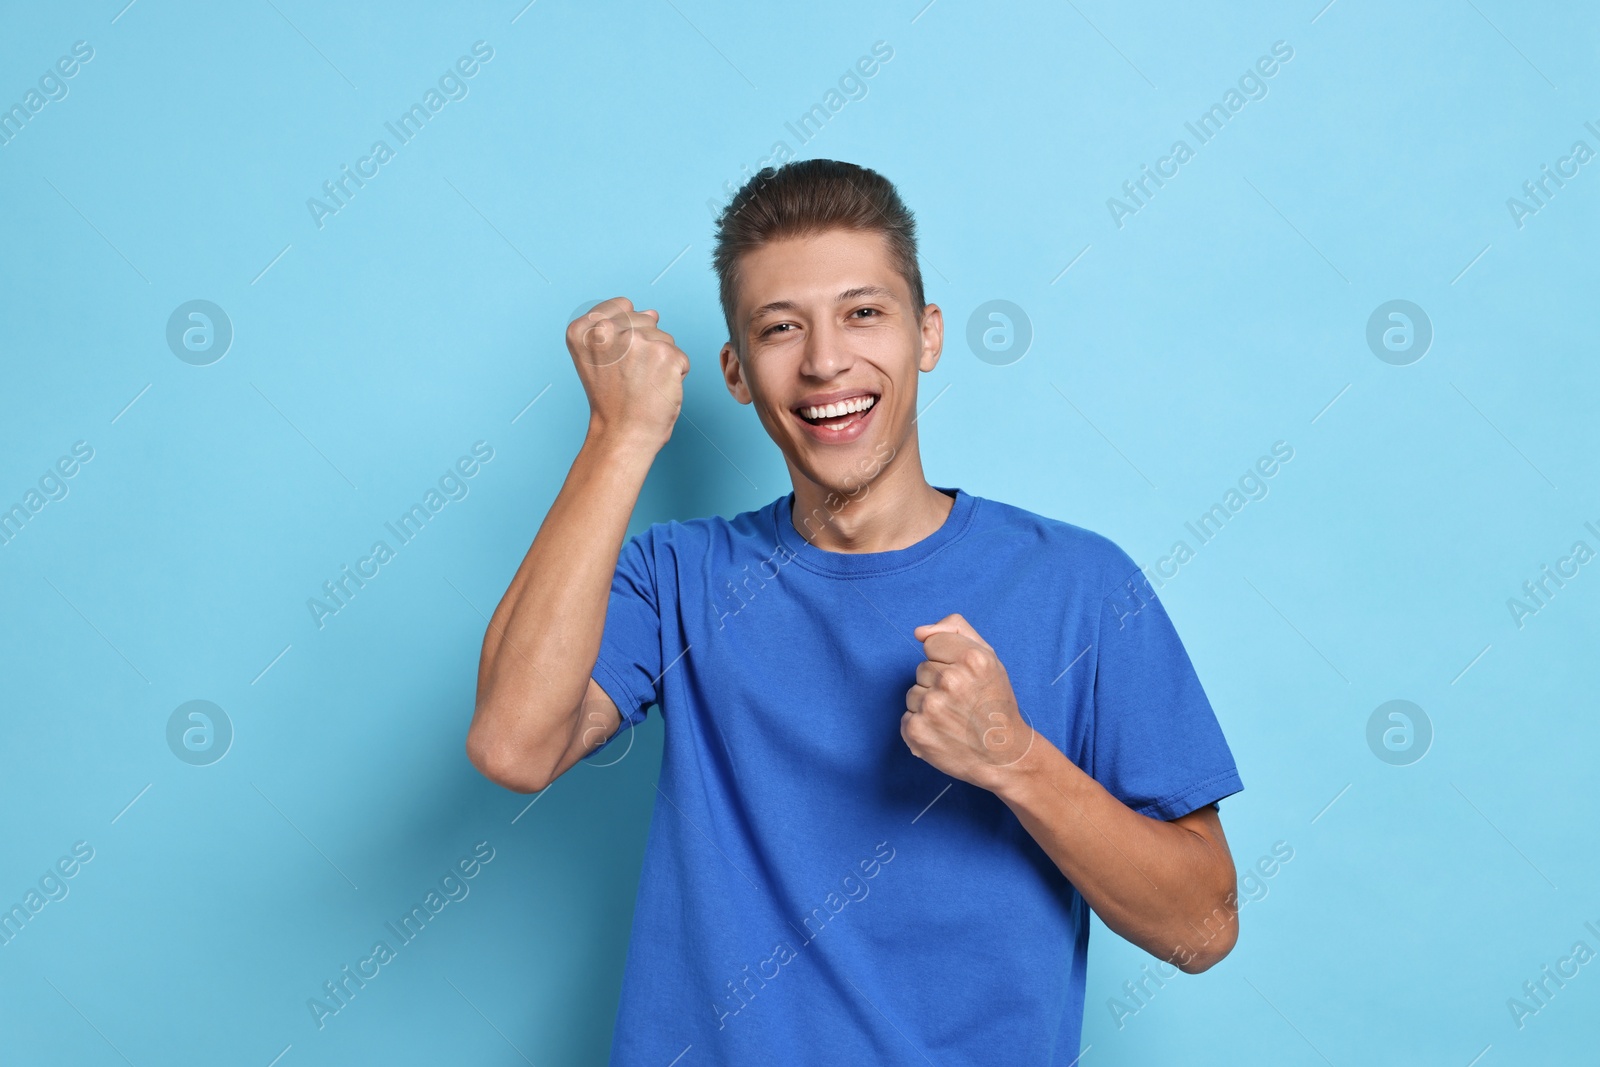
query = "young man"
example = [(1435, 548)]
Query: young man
[(911, 734)]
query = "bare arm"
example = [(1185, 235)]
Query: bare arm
[(538, 711), (1167, 886)]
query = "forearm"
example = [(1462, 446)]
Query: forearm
[(542, 641), (1166, 888)]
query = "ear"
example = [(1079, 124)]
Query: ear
[(733, 373), (932, 337)]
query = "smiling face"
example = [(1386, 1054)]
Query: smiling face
[(831, 349)]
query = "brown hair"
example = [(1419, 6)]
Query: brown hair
[(807, 197)]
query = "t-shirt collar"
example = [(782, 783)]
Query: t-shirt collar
[(858, 564)]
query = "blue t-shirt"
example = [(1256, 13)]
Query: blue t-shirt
[(812, 893)]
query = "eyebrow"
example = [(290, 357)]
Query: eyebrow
[(849, 294)]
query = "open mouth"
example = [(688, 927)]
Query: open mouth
[(839, 416)]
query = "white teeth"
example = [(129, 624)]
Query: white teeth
[(834, 411)]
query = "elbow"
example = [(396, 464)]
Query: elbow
[(1218, 933), (504, 764), (1211, 953)]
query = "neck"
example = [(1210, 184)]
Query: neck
[(893, 510)]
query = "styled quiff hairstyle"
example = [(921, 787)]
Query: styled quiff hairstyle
[(807, 197)]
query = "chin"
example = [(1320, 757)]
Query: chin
[(848, 475)]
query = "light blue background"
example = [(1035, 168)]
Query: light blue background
[(1227, 314)]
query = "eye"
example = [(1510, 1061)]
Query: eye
[(774, 328), (869, 310)]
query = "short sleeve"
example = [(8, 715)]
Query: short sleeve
[(1156, 744), (628, 667)]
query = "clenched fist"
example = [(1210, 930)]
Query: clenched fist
[(631, 369), (961, 715)]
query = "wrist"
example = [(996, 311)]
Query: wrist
[(619, 443), (1038, 769)]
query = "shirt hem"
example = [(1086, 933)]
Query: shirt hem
[(1208, 791), (608, 679)]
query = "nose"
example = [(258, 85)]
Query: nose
[(827, 355)]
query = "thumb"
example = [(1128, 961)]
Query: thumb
[(950, 624)]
